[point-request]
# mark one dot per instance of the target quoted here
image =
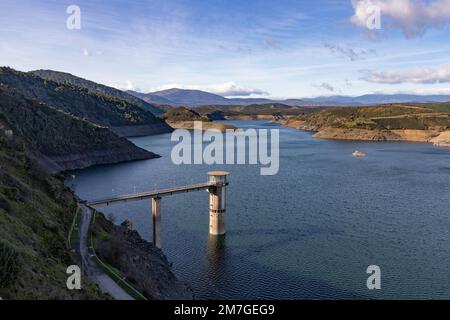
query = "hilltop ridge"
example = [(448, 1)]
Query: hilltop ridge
[(59, 141), (67, 78), (121, 116), (419, 123)]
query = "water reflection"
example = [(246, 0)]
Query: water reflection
[(216, 260)]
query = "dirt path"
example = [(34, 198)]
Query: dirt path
[(94, 273)]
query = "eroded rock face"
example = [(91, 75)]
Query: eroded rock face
[(127, 224), (144, 265), (443, 140), (356, 134), (206, 125)]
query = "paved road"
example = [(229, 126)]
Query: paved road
[(94, 273)]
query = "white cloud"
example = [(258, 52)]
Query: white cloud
[(324, 86), (227, 89), (412, 17), (425, 75), (86, 52)]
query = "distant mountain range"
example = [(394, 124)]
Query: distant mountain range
[(195, 98), (181, 97)]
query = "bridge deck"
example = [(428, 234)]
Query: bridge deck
[(154, 194)]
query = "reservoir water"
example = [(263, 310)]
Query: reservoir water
[(310, 231)]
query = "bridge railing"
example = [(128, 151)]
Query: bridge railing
[(154, 194)]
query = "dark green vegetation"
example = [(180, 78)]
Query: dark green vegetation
[(45, 128), (96, 88), (36, 211), (123, 252), (96, 232), (10, 263), (391, 117), (60, 141), (83, 103), (270, 109)]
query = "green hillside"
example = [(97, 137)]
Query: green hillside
[(36, 211), (419, 117), (270, 109), (56, 137), (97, 108), (93, 87), (183, 114)]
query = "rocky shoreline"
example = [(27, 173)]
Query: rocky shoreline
[(438, 138), (145, 266), (206, 125), (93, 158), (249, 117), (142, 130)]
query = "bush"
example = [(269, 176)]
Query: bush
[(5, 205), (10, 265)]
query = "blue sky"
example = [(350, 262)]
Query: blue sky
[(279, 49)]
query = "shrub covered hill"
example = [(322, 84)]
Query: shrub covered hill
[(123, 117), (59, 141), (184, 118), (36, 211), (67, 78), (398, 122), (42, 132)]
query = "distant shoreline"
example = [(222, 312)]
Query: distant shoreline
[(437, 138), (206, 125)]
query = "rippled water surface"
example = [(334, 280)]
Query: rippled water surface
[(308, 232)]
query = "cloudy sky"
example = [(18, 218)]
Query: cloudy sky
[(281, 49)]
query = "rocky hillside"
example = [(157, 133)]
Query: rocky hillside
[(36, 211), (119, 115), (143, 265), (183, 114), (60, 141), (67, 78), (184, 118)]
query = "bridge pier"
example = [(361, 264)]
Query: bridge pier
[(216, 186), (217, 202), (156, 215)]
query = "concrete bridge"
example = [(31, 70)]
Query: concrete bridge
[(216, 186)]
